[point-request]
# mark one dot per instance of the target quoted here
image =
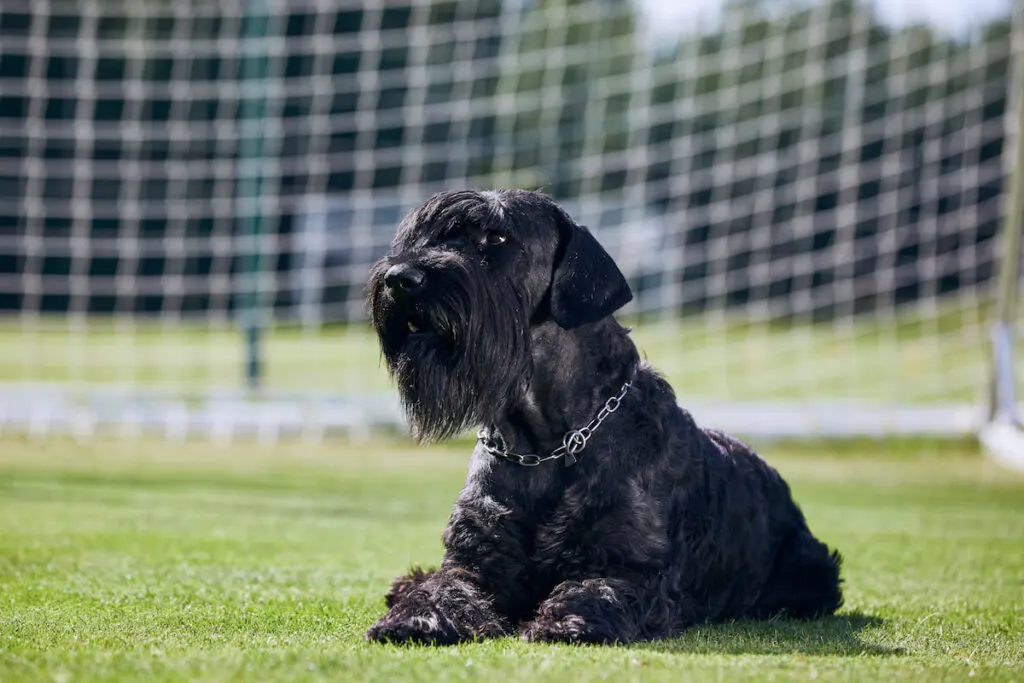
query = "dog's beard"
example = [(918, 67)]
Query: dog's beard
[(459, 353)]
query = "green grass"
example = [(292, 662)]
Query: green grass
[(149, 560), (923, 355)]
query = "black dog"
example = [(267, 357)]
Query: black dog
[(595, 509)]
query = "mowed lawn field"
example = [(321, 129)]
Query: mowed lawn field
[(151, 560)]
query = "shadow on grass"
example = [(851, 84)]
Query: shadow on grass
[(835, 635)]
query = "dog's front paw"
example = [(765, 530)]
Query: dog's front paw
[(589, 611), (568, 628), (403, 585), (425, 628), (438, 608)]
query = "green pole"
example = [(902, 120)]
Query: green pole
[(251, 152)]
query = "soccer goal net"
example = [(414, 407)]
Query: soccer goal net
[(807, 197)]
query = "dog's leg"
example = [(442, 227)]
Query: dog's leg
[(600, 611), (441, 607)]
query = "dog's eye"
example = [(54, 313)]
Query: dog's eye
[(493, 238)]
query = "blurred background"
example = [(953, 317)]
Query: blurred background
[(807, 197)]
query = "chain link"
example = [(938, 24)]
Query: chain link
[(572, 443)]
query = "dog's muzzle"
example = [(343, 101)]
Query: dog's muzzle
[(408, 315)]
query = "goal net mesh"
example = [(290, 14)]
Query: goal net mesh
[(805, 195)]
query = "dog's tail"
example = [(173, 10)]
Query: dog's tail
[(805, 581)]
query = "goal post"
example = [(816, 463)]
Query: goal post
[(812, 201), (1002, 434)]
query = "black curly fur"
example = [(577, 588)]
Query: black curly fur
[(659, 526)]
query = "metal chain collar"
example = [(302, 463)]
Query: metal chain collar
[(572, 443)]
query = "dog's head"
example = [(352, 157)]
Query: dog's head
[(468, 274)]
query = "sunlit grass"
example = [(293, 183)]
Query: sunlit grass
[(145, 560)]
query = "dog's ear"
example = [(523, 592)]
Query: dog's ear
[(586, 285)]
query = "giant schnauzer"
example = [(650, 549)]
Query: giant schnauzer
[(595, 509)]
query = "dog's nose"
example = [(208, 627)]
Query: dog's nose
[(404, 278)]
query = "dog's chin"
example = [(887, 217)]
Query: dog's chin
[(413, 332), (439, 402), (442, 393), (451, 374), (423, 360)]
